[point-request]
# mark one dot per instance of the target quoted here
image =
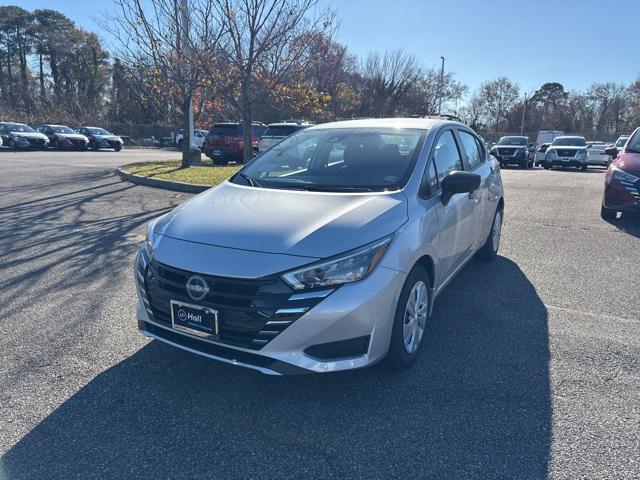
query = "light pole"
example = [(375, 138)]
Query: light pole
[(524, 112), (184, 7), (441, 87)]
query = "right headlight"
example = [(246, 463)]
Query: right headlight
[(620, 174), (349, 267)]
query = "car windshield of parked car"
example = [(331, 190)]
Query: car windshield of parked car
[(65, 130), (98, 131), (569, 142), (354, 159), (621, 142), (279, 130), (598, 147), (19, 127), (519, 141)]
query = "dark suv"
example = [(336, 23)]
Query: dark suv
[(225, 141), (514, 150)]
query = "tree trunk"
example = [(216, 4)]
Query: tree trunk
[(247, 120), (41, 75), (186, 138)]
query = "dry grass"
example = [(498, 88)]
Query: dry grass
[(170, 170)]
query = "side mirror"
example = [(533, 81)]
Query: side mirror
[(531, 147), (459, 182), (611, 151)]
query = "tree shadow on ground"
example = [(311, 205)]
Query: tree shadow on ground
[(476, 405)]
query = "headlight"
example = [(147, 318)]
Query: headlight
[(349, 267), (551, 153), (581, 153), (619, 174), (148, 239)]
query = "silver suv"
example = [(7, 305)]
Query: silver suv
[(327, 251)]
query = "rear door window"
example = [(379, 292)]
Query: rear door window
[(228, 130)]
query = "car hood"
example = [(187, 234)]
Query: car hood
[(570, 147), (107, 137), (308, 224), (629, 162), (71, 136), (30, 135)]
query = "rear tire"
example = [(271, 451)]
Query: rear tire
[(410, 320), (546, 166), (583, 168), (607, 213), (489, 250)]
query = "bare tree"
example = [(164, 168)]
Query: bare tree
[(266, 41), (496, 98), (386, 80), (170, 40)]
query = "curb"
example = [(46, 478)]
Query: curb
[(164, 184)]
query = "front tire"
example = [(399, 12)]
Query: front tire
[(12, 144), (546, 166), (117, 148), (410, 321), (583, 168), (489, 250)]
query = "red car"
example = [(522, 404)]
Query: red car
[(63, 138), (622, 181), (225, 141)]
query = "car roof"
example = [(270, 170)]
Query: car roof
[(568, 136), (417, 123)]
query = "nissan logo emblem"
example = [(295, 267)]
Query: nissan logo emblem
[(197, 287)]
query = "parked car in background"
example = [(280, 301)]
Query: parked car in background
[(619, 145), (330, 267), (20, 136), (198, 138), (541, 153), (63, 137), (279, 131), (514, 150), (547, 136), (225, 141), (622, 181), (596, 154), (567, 151), (101, 138)]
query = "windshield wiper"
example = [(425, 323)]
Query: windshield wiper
[(329, 188), (252, 182)]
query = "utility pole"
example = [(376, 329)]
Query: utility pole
[(524, 112), (441, 87), (184, 7)]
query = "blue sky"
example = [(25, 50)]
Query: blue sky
[(573, 42)]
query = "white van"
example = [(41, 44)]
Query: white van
[(547, 136)]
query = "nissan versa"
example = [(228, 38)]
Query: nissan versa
[(325, 252)]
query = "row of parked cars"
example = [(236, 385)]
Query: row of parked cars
[(19, 136), (224, 142), (561, 151)]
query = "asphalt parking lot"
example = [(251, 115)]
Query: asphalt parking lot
[(531, 367)]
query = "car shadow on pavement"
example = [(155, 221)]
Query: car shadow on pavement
[(476, 405)]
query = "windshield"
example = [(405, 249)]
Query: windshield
[(598, 147), (621, 141), (280, 131), (19, 127), (569, 142), (634, 144), (355, 159), (97, 131), (66, 130), (520, 141)]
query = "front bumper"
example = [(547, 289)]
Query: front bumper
[(623, 197), (573, 162), (358, 310)]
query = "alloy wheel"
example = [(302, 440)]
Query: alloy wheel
[(415, 317)]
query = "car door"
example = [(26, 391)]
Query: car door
[(475, 160), (456, 217)]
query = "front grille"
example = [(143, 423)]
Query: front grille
[(36, 142), (507, 152), (78, 143), (566, 153), (251, 313)]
